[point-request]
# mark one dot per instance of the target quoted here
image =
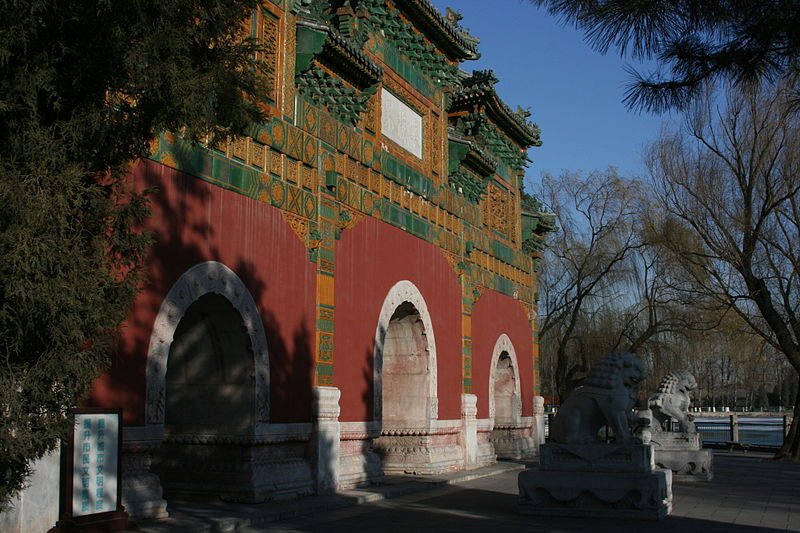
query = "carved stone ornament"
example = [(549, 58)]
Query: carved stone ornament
[(608, 397), (672, 401)]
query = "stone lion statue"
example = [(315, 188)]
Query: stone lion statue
[(607, 396), (672, 401)]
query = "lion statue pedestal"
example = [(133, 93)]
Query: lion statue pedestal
[(680, 451), (581, 475)]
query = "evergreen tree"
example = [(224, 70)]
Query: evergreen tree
[(84, 89), (693, 42)]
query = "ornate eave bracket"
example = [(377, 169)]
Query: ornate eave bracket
[(317, 40), (434, 57), (535, 227), (319, 45), (470, 168)]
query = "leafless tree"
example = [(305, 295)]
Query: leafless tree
[(728, 185), (589, 252), (607, 283)]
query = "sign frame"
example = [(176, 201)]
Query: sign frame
[(115, 519)]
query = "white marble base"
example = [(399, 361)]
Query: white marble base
[(515, 443), (596, 494), (687, 465), (422, 452), (359, 464), (683, 454), (240, 472)]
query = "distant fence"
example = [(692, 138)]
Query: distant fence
[(733, 431), (742, 431)]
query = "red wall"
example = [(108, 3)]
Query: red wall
[(370, 259), (492, 315), (193, 222)]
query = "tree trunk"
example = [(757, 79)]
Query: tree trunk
[(790, 451)]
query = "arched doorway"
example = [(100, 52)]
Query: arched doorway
[(208, 387), (405, 391), (406, 372), (505, 402), (210, 395), (210, 376)]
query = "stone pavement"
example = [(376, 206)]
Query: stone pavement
[(750, 493)]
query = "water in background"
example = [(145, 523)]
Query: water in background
[(758, 431)]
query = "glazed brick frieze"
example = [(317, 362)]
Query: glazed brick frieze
[(269, 37), (499, 211), (241, 168), (404, 174), (290, 62), (257, 167)]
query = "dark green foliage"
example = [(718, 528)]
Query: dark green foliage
[(84, 88), (693, 42)]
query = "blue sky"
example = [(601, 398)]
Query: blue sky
[(574, 93)]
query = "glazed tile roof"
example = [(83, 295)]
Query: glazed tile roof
[(478, 90)]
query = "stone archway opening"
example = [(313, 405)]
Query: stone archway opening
[(509, 435), (505, 404), (209, 398), (210, 376), (406, 371), (406, 408)]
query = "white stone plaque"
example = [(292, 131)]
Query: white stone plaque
[(95, 461), (400, 123)]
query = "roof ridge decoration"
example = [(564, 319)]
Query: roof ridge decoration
[(445, 30), (411, 43), (477, 94)]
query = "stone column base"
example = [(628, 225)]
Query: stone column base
[(142, 495), (596, 494), (469, 430), (327, 439)]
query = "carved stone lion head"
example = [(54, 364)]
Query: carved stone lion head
[(616, 370)]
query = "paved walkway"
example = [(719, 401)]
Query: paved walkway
[(750, 493)]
